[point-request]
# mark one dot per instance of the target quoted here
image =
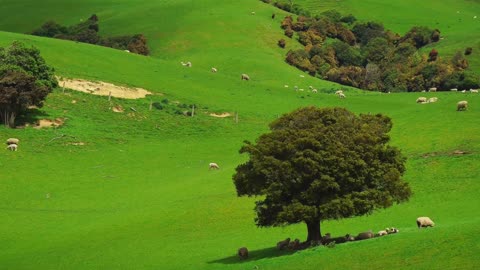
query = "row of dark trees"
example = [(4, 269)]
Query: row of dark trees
[(368, 56), (87, 32)]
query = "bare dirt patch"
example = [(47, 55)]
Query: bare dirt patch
[(103, 88), (221, 115), (43, 123), (118, 109)]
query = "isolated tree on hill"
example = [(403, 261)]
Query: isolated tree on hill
[(321, 164), (25, 80)]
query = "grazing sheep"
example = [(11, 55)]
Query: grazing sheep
[(338, 92), (364, 235), (432, 89), (432, 99), (294, 245), (326, 238), (424, 222), (243, 253), (214, 166), (283, 244), (214, 70), (341, 95), (473, 90), (314, 91), (382, 233), (393, 230), (422, 100), (462, 105), (12, 147), (338, 240), (188, 64), (245, 77), (13, 141), (454, 89)]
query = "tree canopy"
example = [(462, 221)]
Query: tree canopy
[(25, 80), (320, 164)]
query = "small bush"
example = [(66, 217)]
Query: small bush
[(282, 43), (289, 32), (432, 56), (468, 51)]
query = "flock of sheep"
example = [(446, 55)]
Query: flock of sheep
[(12, 144), (461, 105), (327, 240)]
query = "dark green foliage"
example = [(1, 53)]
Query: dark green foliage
[(349, 19), (87, 32), (320, 164), (25, 80), (368, 31)]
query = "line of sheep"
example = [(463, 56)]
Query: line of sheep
[(12, 144), (328, 241), (461, 105)]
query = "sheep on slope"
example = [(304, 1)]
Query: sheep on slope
[(424, 222)]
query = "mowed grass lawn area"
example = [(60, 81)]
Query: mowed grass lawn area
[(139, 195)]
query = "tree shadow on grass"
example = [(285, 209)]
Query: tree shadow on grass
[(271, 252), (31, 116)]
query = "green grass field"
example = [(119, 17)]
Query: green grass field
[(139, 195)]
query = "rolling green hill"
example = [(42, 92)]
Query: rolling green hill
[(138, 194)]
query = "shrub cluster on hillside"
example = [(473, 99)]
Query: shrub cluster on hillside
[(87, 32), (368, 56)]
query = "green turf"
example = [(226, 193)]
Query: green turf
[(139, 195)]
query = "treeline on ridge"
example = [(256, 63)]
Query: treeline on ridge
[(87, 32), (368, 56)]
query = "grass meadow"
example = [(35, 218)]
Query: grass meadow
[(137, 194)]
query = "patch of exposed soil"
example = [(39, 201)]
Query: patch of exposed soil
[(222, 115), (103, 88), (42, 123), (118, 109)]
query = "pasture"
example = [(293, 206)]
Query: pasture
[(138, 194)]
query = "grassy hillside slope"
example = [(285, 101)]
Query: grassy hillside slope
[(139, 195)]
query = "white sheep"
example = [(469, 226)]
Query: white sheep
[(382, 233), (424, 222), (214, 166), (214, 70), (432, 89), (432, 99), (462, 105), (245, 77), (341, 95), (422, 100), (13, 141), (12, 147)]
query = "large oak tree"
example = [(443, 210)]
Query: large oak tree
[(320, 164)]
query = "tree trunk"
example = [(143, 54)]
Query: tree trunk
[(314, 233)]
